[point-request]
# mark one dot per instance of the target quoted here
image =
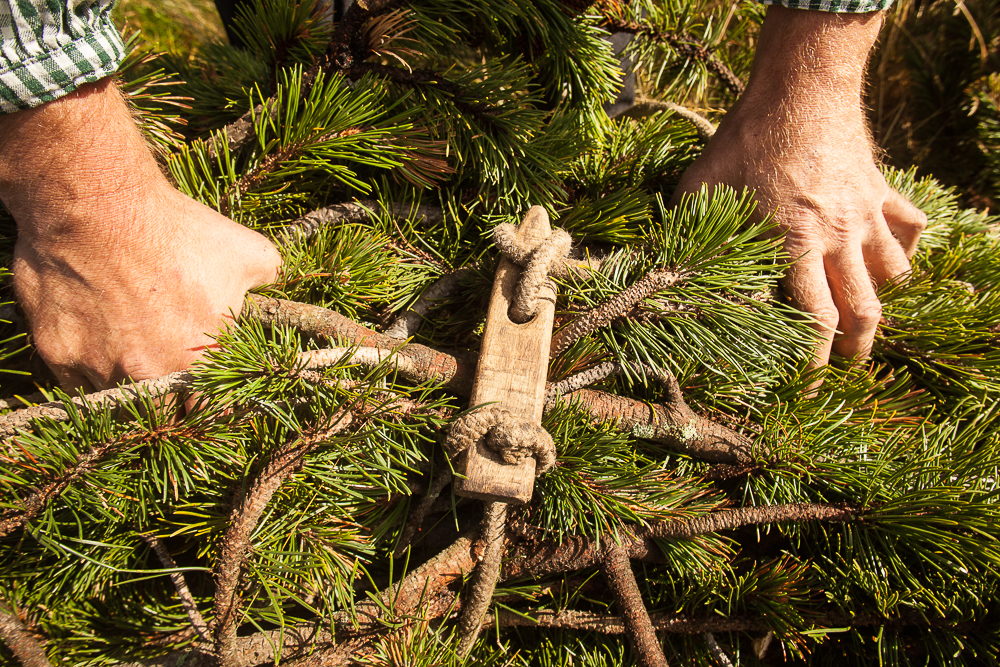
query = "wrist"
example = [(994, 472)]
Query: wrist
[(812, 58)]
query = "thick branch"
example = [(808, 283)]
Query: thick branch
[(183, 592), (427, 364), (575, 552), (612, 309), (282, 465), (21, 641), (672, 423), (618, 571)]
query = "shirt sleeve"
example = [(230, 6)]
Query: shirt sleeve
[(48, 48), (841, 6)]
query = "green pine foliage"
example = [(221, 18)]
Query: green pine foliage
[(478, 110)]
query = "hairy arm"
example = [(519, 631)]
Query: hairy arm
[(798, 137), (120, 275)]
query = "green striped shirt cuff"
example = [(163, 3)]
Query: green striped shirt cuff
[(48, 48), (842, 6)]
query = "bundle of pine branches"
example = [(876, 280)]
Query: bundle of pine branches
[(707, 507)]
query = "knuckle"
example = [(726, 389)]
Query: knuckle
[(866, 316), (827, 316)]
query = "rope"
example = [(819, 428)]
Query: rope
[(538, 261), (513, 438)]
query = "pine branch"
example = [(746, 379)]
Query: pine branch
[(615, 625), (15, 402), (614, 308), (430, 78), (576, 552), (618, 572), (285, 462), (183, 592), (418, 597), (361, 210), (21, 641), (686, 46), (645, 106), (12, 519), (484, 579)]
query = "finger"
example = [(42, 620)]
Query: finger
[(859, 308), (906, 221), (805, 283), (884, 256)]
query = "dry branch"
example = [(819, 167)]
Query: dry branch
[(428, 364), (408, 322), (183, 592), (576, 552), (21, 641), (618, 572), (614, 308)]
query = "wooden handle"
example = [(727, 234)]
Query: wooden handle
[(513, 364)]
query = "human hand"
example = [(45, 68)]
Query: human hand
[(798, 138), (119, 274)]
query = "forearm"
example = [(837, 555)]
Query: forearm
[(64, 163)]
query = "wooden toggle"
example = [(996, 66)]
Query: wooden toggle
[(513, 364)]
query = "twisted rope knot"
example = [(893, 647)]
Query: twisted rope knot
[(512, 437), (539, 260)]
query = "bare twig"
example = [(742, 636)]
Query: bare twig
[(21, 401), (21, 641), (618, 572), (408, 322), (575, 552), (612, 309), (484, 579), (109, 398), (183, 592), (440, 479), (686, 46), (236, 543), (427, 364), (717, 651), (645, 106)]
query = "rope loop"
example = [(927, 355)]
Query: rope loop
[(538, 260), (513, 438)]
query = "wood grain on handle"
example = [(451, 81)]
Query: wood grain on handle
[(513, 363)]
